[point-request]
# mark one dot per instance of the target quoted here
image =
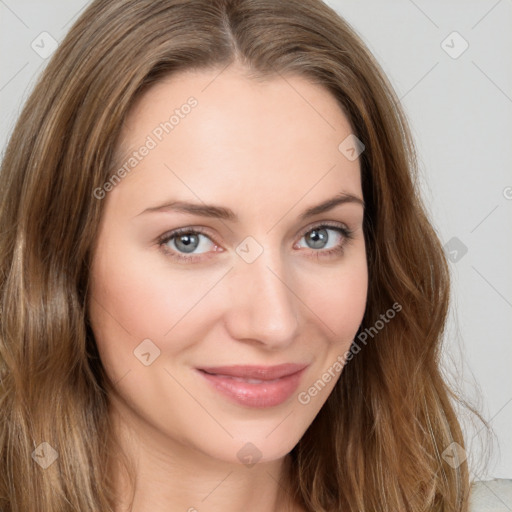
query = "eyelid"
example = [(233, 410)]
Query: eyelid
[(204, 231), (317, 224), (173, 233)]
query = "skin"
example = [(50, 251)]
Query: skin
[(268, 151)]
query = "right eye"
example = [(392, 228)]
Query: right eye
[(184, 241)]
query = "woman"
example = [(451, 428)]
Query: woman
[(220, 288)]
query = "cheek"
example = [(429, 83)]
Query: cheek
[(339, 306), (128, 304), (143, 298), (135, 297), (338, 299), (347, 302)]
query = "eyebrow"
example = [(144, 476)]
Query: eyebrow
[(221, 212)]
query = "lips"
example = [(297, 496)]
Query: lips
[(255, 386), (262, 373)]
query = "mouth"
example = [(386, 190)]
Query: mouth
[(255, 386)]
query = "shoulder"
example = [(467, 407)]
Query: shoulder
[(491, 496)]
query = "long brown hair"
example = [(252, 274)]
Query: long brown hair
[(377, 442)]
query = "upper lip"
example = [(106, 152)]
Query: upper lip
[(256, 372)]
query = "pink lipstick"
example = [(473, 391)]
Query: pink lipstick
[(255, 386)]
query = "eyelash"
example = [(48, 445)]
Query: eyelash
[(339, 249)]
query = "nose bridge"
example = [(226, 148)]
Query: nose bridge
[(263, 307)]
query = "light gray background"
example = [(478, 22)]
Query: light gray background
[(460, 114)]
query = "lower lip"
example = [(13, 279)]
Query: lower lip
[(258, 395)]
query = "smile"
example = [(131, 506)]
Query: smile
[(256, 387)]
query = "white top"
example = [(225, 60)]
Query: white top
[(491, 496)]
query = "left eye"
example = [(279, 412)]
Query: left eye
[(319, 236)]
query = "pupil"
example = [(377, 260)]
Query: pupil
[(188, 242), (318, 236)]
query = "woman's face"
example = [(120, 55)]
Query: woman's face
[(254, 280)]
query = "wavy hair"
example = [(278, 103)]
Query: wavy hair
[(376, 443)]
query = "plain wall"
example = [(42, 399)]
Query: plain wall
[(459, 105)]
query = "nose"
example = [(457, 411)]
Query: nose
[(262, 308)]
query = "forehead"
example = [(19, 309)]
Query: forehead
[(273, 140)]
